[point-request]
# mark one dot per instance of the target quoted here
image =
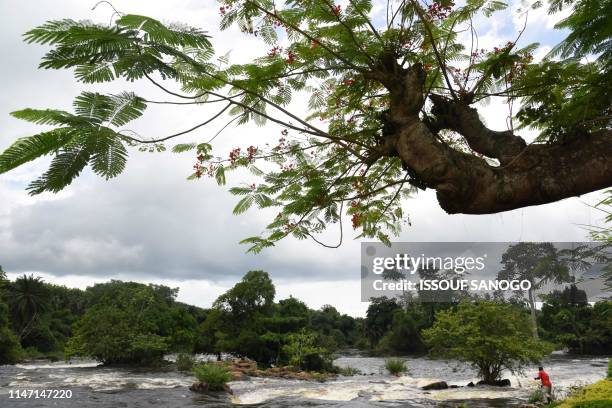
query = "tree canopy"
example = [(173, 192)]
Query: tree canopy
[(491, 336), (245, 321), (129, 322), (10, 349), (571, 322), (392, 108)]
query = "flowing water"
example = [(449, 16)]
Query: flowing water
[(96, 386)]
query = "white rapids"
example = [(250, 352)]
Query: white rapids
[(373, 388)]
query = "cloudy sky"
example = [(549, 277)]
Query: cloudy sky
[(152, 225)]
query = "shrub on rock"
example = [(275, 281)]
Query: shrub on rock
[(212, 377)]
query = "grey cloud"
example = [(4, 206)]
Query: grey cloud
[(151, 222)]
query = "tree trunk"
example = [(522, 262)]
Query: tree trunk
[(534, 320), (489, 375)]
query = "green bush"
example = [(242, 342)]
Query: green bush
[(536, 396), (184, 362), (596, 395), (216, 376), (10, 350), (347, 371), (304, 351), (32, 353), (396, 366), (593, 404)]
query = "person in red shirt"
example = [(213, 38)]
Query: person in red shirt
[(546, 384)]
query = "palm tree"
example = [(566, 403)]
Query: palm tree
[(27, 300), (540, 264)]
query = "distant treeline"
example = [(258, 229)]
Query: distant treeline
[(127, 322), (132, 323)]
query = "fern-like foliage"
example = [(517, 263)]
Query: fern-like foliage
[(590, 29), (85, 137), (29, 148), (133, 47)]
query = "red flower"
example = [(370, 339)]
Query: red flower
[(438, 11), (290, 58), (251, 150), (274, 51), (356, 220), (234, 155)]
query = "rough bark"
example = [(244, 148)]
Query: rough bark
[(527, 175), (463, 119)]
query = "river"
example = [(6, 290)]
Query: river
[(96, 386)]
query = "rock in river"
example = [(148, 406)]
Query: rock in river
[(499, 383), (202, 387), (438, 385)]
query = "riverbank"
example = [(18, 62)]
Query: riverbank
[(597, 395)]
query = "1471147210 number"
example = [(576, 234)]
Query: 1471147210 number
[(40, 394)]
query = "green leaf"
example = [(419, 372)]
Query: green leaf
[(51, 32), (493, 6), (183, 147), (263, 200), (244, 204), (95, 73), (256, 170), (29, 148), (50, 117), (220, 175), (94, 106), (240, 190), (110, 156), (125, 107), (176, 35), (64, 168)]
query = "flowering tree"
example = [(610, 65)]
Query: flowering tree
[(391, 108)]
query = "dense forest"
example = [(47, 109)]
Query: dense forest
[(133, 323), (128, 322)]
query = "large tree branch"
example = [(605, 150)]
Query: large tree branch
[(530, 175), (540, 174), (463, 119)]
